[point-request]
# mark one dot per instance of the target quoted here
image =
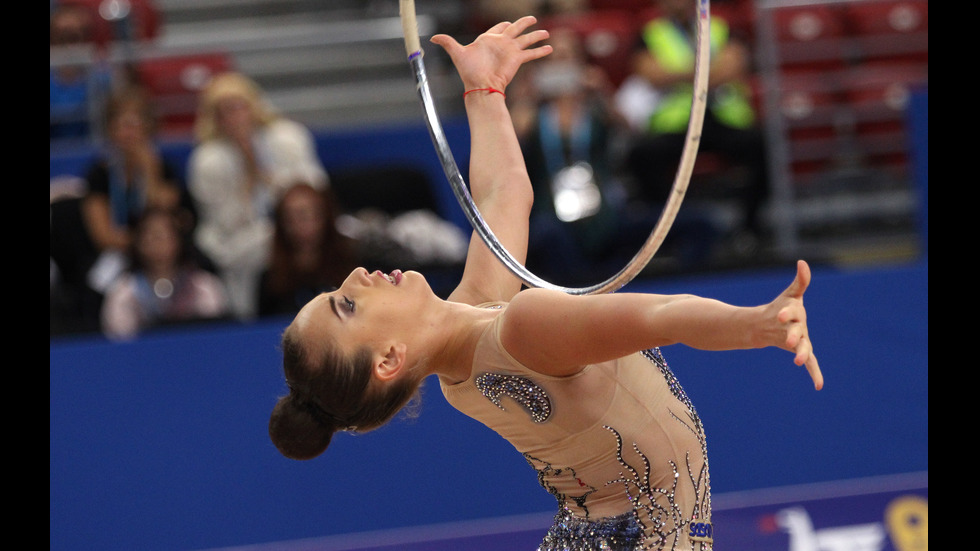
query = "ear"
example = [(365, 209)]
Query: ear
[(388, 367)]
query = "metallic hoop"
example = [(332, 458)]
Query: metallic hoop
[(681, 179)]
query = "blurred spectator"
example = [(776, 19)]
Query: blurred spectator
[(163, 285), (247, 155), (127, 176), (80, 81), (583, 224), (309, 255), (92, 218), (487, 13), (74, 306), (665, 60)]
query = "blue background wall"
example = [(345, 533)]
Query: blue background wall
[(162, 443)]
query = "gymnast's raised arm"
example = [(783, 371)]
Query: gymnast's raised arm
[(499, 181)]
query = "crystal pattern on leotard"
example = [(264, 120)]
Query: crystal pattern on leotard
[(525, 391), (548, 471), (571, 533), (656, 520)]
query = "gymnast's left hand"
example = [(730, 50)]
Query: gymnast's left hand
[(790, 331), (492, 60)]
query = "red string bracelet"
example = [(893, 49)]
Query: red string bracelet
[(488, 90)]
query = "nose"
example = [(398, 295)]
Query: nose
[(361, 275)]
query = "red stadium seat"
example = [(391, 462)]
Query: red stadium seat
[(809, 37), (810, 106), (740, 16), (809, 99), (143, 17), (892, 29), (877, 94), (888, 17), (175, 81), (628, 5)]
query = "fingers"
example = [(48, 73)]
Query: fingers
[(802, 280), (532, 37), (447, 42), (798, 342), (803, 347), (537, 53), (499, 27), (518, 27), (512, 30), (814, 369), (793, 337)]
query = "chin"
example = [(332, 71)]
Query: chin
[(412, 276)]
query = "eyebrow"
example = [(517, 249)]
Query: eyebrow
[(333, 306)]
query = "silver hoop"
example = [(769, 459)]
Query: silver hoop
[(667, 216)]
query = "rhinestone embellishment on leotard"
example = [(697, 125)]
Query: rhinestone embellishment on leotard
[(656, 521), (531, 396)]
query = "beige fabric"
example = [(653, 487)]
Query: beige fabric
[(616, 431)]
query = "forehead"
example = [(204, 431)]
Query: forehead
[(312, 314), (315, 323)]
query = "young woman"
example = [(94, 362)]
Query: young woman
[(247, 155), (163, 284), (575, 383), (309, 254)]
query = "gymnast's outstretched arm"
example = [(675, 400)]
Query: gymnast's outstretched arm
[(557, 334), (499, 181)]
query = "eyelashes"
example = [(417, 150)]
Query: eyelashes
[(348, 305)]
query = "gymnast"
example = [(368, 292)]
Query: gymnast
[(577, 384)]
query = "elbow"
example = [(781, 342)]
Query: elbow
[(516, 195)]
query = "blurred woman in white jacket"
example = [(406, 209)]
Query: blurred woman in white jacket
[(247, 155)]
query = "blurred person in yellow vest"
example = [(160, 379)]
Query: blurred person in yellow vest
[(664, 62)]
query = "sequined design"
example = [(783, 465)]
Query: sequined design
[(656, 520), (547, 470), (702, 481), (619, 533), (525, 391), (655, 508)]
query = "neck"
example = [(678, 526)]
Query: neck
[(457, 334)]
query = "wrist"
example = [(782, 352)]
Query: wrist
[(488, 90)]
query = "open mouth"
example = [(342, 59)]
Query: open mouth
[(394, 277)]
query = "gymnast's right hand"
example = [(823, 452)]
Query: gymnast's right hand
[(492, 60)]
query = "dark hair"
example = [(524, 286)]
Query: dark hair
[(337, 256), (184, 246), (133, 97), (332, 393)]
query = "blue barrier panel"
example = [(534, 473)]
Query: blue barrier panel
[(918, 115), (887, 513), (161, 444)]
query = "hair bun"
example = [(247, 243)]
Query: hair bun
[(296, 431)]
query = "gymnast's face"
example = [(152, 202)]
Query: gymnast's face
[(369, 309)]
